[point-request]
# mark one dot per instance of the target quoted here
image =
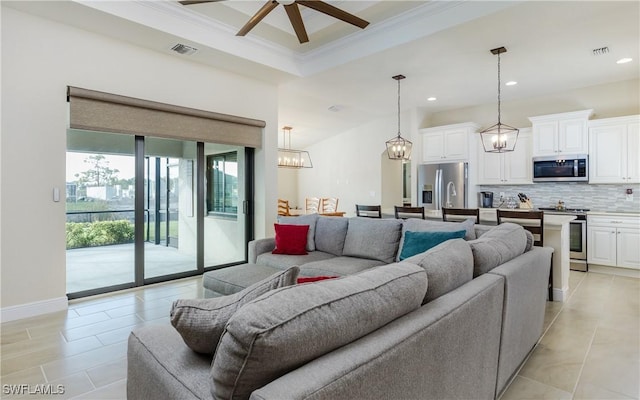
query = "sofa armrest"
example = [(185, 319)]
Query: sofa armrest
[(526, 279), (259, 246)]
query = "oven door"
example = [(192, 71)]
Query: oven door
[(578, 240)]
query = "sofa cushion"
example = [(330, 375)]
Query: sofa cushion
[(339, 266), (308, 219), (530, 240), (449, 265), (497, 246), (283, 261), (422, 225), (231, 280), (330, 234), (419, 242), (372, 238), (291, 326), (291, 239), (201, 322)]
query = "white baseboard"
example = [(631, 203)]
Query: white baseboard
[(560, 294), (21, 311)]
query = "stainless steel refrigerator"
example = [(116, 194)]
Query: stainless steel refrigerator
[(442, 185)]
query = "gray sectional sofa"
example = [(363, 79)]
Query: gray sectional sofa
[(454, 322)]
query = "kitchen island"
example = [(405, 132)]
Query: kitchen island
[(556, 235)]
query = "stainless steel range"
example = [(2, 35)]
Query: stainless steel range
[(577, 236)]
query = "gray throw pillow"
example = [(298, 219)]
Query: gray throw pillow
[(497, 246), (373, 238), (449, 265), (309, 219), (201, 322), (422, 225), (289, 327)]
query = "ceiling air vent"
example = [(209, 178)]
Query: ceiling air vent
[(600, 51), (184, 49)]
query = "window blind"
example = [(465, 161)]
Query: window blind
[(106, 112)]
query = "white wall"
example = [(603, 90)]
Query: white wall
[(288, 186), (348, 165), (608, 100), (39, 59)]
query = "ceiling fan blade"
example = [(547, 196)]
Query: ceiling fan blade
[(335, 12), (266, 9), (296, 21), (189, 2)]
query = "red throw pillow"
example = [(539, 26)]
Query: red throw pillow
[(307, 279), (291, 239)]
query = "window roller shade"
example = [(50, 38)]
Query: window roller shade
[(99, 111)]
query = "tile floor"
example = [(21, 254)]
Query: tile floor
[(590, 348)]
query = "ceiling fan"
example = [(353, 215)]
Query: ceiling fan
[(293, 11)]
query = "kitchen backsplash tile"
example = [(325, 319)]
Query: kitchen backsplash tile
[(574, 194)]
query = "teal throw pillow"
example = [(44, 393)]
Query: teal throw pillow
[(419, 242)]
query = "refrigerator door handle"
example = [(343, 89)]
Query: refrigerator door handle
[(438, 187)]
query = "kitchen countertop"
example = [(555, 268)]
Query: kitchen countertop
[(489, 215), (615, 213)]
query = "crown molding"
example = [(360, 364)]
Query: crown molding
[(177, 20)]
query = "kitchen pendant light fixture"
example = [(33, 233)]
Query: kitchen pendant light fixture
[(499, 138), (289, 158), (399, 148)]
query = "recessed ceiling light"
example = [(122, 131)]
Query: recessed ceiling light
[(624, 60), (511, 83), (431, 99)]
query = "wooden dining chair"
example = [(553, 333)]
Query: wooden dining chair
[(312, 204), (464, 212), (533, 221), (368, 211), (283, 207), (329, 204), (409, 212)]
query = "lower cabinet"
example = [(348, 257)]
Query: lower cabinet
[(613, 241)]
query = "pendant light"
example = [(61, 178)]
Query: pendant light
[(399, 148), (499, 138), (289, 158)]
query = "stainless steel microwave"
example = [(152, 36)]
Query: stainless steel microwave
[(574, 168)]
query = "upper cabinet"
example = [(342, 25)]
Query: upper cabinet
[(511, 168), (447, 143), (613, 150), (561, 134)]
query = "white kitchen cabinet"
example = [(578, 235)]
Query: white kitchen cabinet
[(613, 241), (509, 168), (447, 143), (613, 150), (561, 134)]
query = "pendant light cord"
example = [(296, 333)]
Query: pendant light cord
[(398, 107), (498, 89)]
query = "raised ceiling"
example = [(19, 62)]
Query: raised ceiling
[(441, 46)]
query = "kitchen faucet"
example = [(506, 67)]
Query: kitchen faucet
[(451, 190)]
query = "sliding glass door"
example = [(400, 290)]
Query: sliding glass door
[(225, 222), (144, 209), (170, 196), (100, 211)]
